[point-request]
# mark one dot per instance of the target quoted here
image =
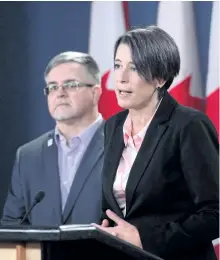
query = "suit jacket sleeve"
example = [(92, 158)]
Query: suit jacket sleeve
[(199, 163), (14, 208)]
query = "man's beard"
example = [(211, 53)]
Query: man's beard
[(61, 118), (62, 115)]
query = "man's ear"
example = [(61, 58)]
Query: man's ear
[(97, 93)]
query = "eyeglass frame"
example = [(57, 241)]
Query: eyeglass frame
[(76, 87)]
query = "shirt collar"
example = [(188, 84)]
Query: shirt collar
[(137, 139), (84, 137)]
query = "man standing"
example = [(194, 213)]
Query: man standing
[(66, 162)]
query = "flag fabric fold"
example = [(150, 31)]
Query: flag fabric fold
[(186, 87), (213, 76), (107, 24)]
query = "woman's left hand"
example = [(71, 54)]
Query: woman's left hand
[(123, 229)]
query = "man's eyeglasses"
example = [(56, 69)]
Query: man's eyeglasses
[(71, 85)]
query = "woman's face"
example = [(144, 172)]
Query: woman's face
[(132, 91)]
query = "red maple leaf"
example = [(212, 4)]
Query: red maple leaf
[(181, 93), (108, 105), (212, 108)]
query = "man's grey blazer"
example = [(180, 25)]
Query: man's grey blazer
[(36, 168)]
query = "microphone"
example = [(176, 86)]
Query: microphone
[(38, 198)]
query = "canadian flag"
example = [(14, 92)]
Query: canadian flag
[(213, 77), (186, 87), (108, 22)]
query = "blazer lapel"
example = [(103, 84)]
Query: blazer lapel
[(53, 193), (142, 161), (112, 159), (92, 154), (149, 145)]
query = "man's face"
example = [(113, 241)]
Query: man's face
[(69, 104)]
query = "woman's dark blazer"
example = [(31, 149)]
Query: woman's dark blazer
[(172, 194)]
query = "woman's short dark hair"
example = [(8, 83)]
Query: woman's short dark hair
[(154, 53)]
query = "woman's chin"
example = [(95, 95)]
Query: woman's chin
[(124, 105)]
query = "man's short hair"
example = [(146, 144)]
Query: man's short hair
[(76, 57)]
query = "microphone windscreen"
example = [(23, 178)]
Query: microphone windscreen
[(39, 196)]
